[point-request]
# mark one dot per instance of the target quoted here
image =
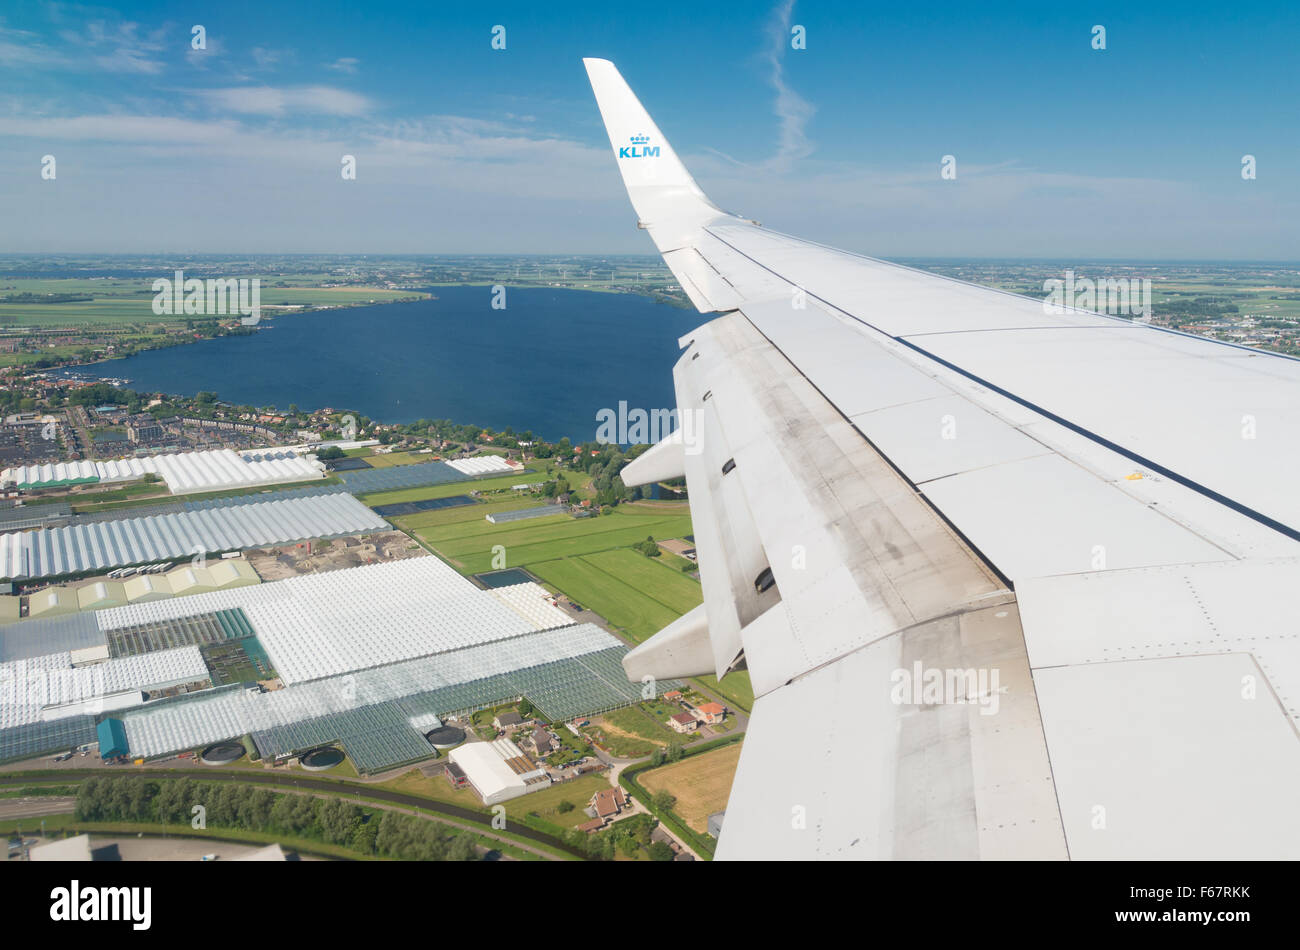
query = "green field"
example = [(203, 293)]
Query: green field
[(469, 544), (638, 610), (130, 301), (544, 802), (735, 689), (451, 488), (667, 585), (588, 559), (390, 459), (468, 513), (647, 721)]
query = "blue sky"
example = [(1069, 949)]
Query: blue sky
[(1062, 150)]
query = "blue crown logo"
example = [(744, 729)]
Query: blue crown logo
[(639, 139)]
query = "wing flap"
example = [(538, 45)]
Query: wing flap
[(886, 773)]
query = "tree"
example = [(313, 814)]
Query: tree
[(462, 849), (363, 836), (338, 820), (659, 851), (565, 807), (664, 800)]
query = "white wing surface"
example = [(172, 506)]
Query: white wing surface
[(1009, 583)]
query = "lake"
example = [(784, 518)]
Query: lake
[(545, 363)]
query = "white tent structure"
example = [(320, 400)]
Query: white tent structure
[(488, 767), (483, 465)]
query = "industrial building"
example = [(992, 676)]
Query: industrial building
[(524, 514), (498, 771), (372, 658), (112, 739), (223, 574), (76, 848)]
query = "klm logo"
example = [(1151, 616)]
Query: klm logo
[(638, 148)]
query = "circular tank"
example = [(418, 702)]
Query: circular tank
[(446, 737), (223, 753), (318, 760)]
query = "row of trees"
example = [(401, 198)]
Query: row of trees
[(662, 756), (142, 800)]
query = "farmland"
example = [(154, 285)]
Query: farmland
[(468, 544), (588, 559), (701, 784), (124, 302), (452, 488)]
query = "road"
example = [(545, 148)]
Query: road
[(476, 821), (36, 806)]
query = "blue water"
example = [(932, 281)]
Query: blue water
[(546, 363)]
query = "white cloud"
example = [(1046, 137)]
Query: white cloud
[(346, 64), (116, 47), (125, 60), (137, 129), (20, 48), (265, 58), (282, 100), (792, 110), (93, 47)]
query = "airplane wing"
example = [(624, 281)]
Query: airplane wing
[(1009, 583)]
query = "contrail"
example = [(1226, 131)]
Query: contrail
[(791, 108)]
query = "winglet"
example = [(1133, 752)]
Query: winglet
[(667, 200)]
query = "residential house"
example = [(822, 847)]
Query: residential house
[(507, 720), (711, 713), (684, 722), (608, 803), (543, 742)]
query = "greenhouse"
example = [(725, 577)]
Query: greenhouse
[(182, 472), (80, 548), (401, 476)]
